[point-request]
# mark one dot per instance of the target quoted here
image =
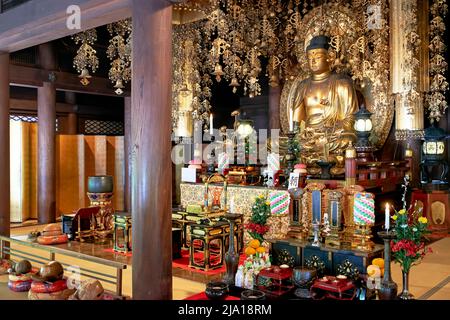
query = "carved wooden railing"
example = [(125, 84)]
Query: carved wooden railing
[(385, 174)]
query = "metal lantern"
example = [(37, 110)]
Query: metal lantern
[(244, 128), (363, 127), (433, 155)]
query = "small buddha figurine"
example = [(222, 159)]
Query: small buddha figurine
[(326, 225), (323, 106)]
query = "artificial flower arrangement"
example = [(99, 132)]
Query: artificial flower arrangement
[(260, 212), (258, 256), (408, 248)]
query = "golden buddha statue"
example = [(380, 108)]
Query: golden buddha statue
[(323, 106)]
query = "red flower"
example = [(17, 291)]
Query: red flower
[(257, 228)]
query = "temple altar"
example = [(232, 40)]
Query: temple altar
[(287, 139), (241, 200)]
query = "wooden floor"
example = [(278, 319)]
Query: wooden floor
[(430, 280)]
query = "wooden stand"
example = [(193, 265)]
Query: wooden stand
[(436, 207), (105, 215), (205, 234)]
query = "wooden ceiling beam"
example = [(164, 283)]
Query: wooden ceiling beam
[(42, 21), (34, 77)]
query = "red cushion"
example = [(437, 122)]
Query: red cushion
[(48, 287)]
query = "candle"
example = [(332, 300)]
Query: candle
[(291, 120), (211, 124), (387, 217)]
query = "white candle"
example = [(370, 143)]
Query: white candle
[(211, 124), (291, 120), (387, 217)]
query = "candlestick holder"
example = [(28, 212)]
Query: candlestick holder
[(362, 236), (231, 257), (211, 169), (388, 290), (291, 156), (316, 234)]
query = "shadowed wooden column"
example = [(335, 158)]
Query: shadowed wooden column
[(72, 117), (151, 139), (4, 145), (47, 139), (127, 145), (72, 123), (46, 153), (274, 107)]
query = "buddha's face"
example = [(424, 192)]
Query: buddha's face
[(318, 60)]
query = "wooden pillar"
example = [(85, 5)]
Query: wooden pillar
[(127, 144), (72, 123), (274, 107), (4, 145), (46, 153), (47, 139), (151, 140), (72, 117), (47, 58)]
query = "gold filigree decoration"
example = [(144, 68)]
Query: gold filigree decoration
[(86, 55), (191, 87), (436, 102), (119, 51)]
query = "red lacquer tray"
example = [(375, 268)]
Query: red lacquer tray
[(331, 287), (276, 273)]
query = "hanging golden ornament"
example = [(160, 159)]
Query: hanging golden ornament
[(86, 56), (85, 76), (218, 72), (234, 83), (119, 86)]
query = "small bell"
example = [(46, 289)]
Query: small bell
[(119, 85), (85, 74), (218, 72), (84, 77), (234, 83)]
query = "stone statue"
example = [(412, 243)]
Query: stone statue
[(323, 106)]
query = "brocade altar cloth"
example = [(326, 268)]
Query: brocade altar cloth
[(240, 199)]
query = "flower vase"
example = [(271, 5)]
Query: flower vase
[(405, 295)]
